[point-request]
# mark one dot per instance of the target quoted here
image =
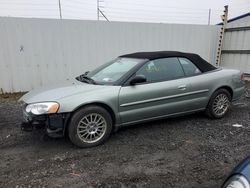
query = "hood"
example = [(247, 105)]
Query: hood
[(58, 91)]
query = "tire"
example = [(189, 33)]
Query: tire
[(218, 110), (86, 128)]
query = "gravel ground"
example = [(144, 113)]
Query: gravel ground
[(191, 151)]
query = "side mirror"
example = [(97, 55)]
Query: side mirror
[(138, 79)]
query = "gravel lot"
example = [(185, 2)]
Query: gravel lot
[(191, 151)]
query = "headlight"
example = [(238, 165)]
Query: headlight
[(42, 108), (237, 181)]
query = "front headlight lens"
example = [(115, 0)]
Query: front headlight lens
[(237, 181), (42, 108)]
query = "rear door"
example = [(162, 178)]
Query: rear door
[(164, 93), (200, 84)]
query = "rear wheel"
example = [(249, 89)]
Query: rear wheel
[(219, 104), (90, 126)]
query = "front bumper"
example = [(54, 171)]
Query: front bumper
[(53, 124)]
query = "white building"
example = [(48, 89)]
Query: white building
[(236, 44)]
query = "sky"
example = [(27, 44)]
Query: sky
[(156, 11)]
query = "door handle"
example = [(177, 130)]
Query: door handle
[(182, 87)]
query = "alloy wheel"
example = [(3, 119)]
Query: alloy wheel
[(221, 104), (91, 128)]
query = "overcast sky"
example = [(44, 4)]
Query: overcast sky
[(164, 11)]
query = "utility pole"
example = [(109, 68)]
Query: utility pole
[(97, 9), (222, 31), (60, 9), (209, 16), (100, 11)]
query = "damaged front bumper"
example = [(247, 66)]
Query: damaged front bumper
[(53, 124)]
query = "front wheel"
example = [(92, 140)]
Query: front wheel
[(90, 126), (219, 104)]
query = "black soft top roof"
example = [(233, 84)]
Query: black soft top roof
[(202, 64)]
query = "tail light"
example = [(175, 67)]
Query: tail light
[(242, 77)]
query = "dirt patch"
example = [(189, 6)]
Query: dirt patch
[(11, 96), (191, 151)]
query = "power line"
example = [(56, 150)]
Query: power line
[(78, 5), (104, 15), (204, 19), (82, 2), (152, 10), (27, 9), (132, 13), (157, 21), (79, 11), (52, 16), (161, 6), (158, 13), (25, 4), (238, 4)]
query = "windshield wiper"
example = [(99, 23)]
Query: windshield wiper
[(85, 78)]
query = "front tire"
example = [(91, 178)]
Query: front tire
[(90, 126), (219, 104)]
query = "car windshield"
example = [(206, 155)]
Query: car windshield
[(111, 72)]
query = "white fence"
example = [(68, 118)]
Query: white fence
[(36, 52)]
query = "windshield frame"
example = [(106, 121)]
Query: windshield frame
[(122, 79)]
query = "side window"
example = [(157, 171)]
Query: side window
[(189, 68), (161, 70)]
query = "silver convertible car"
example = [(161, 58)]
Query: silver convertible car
[(131, 89)]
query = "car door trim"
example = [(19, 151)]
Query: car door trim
[(163, 98), (160, 117)]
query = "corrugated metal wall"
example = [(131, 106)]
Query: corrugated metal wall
[(236, 46), (36, 52)]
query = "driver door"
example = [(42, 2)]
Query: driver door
[(163, 94)]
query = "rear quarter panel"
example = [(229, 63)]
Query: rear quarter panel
[(214, 80)]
